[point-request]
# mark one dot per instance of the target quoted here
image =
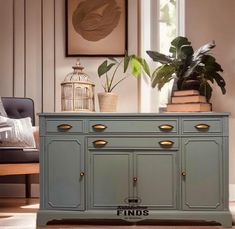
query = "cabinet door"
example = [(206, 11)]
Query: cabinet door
[(202, 173), (110, 178), (64, 163), (156, 178)]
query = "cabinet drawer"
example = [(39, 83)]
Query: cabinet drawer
[(132, 143), (202, 126), (63, 126), (134, 126)]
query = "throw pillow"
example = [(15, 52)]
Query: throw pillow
[(20, 135), (2, 109)]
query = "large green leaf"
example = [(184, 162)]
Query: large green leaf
[(126, 62), (162, 75), (210, 64), (135, 67), (102, 69), (209, 77), (206, 90), (145, 67), (203, 50), (185, 51), (179, 41), (223, 90), (159, 57), (110, 66), (172, 50), (143, 63), (176, 45), (220, 81)]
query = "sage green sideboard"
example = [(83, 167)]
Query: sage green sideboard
[(167, 166)]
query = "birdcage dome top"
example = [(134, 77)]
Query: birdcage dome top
[(77, 76)]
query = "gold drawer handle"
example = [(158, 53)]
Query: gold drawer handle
[(100, 143), (64, 127), (166, 143), (202, 126), (99, 127), (165, 127)]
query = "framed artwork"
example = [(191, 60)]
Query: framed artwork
[(96, 27)]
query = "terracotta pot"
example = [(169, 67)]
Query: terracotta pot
[(108, 101)]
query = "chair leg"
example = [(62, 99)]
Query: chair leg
[(27, 186)]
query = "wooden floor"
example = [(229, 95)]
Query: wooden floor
[(20, 213)]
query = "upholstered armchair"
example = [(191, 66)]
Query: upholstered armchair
[(20, 161)]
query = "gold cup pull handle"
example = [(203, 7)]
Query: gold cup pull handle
[(165, 127), (166, 143), (64, 127), (202, 126), (99, 127), (100, 143)]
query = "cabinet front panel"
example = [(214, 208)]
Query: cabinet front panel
[(110, 179), (156, 174), (65, 187), (163, 126), (202, 178)]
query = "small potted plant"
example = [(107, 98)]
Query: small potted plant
[(191, 69), (107, 72)]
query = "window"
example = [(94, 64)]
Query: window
[(167, 24), (161, 21)]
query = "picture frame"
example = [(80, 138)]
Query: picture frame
[(96, 28)]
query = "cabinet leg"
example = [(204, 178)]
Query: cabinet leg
[(27, 186), (226, 221), (41, 221), (227, 224)]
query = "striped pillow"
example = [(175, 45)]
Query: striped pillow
[(20, 135)]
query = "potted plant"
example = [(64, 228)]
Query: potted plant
[(107, 72), (191, 69)]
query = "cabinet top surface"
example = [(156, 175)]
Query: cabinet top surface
[(164, 114)]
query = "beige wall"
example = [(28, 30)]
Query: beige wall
[(208, 20)]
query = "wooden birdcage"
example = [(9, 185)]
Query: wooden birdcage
[(77, 91)]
